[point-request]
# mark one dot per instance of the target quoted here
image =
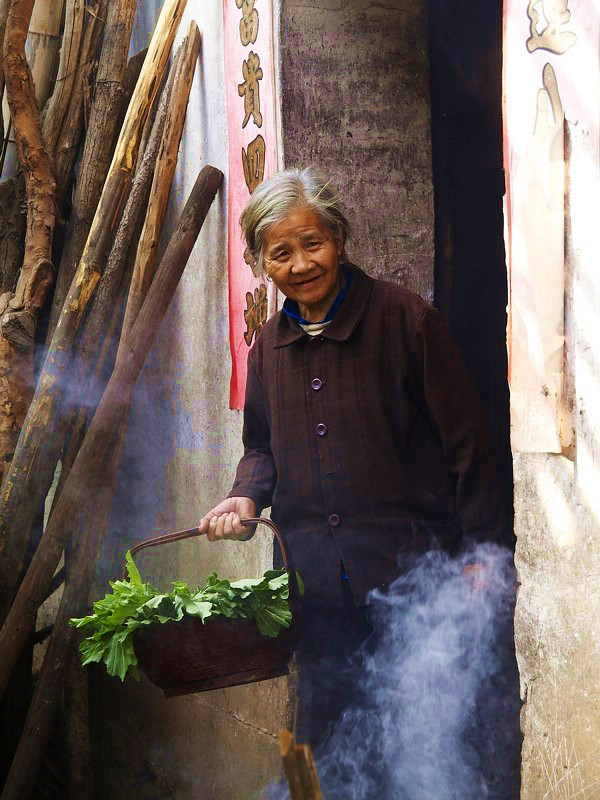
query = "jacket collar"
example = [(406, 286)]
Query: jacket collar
[(344, 322)]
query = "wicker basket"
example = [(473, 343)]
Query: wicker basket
[(191, 656)]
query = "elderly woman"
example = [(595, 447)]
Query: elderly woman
[(362, 431)]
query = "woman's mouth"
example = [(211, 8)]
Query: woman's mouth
[(308, 282)]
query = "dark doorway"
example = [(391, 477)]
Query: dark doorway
[(470, 279), (465, 50)]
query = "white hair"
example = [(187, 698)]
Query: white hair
[(283, 193)]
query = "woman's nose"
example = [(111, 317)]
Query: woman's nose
[(300, 261)]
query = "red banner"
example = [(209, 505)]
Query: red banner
[(251, 123)]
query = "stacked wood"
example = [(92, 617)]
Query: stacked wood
[(300, 769), (85, 479), (61, 133), (110, 221), (97, 151), (76, 116), (27, 481)]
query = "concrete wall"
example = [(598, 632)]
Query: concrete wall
[(557, 523), (183, 442), (355, 104)]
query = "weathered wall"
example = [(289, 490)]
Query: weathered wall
[(557, 523), (355, 104), (184, 443)]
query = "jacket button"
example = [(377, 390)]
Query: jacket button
[(334, 520), (321, 429), (315, 341), (316, 383)]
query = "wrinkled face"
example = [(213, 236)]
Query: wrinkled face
[(302, 256)]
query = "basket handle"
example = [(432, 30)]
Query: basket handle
[(189, 533)]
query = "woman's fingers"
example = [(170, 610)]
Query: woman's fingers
[(225, 526), (225, 520)]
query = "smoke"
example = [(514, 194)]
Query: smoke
[(440, 718)]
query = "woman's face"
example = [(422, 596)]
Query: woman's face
[(302, 257)]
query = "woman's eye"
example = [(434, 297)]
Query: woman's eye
[(313, 244)]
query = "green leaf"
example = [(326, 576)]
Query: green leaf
[(119, 658), (132, 571), (198, 608)]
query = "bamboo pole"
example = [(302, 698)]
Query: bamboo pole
[(23, 489), (82, 478)]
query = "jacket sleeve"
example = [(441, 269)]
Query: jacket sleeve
[(256, 473), (455, 411)]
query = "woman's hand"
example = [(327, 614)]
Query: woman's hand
[(224, 521)]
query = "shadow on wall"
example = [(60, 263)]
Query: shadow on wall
[(439, 719)]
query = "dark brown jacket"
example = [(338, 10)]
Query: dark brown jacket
[(368, 441)]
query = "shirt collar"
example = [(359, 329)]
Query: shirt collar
[(290, 307), (345, 321)]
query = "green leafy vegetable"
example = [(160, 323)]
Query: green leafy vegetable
[(134, 603)]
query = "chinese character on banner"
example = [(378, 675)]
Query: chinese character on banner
[(252, 134)]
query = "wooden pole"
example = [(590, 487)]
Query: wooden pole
[(4, 6), (72, 126), (79, 747), (54, 112), (22, 485), (98, 440), (143, 270), (99, 331), (300, 768), (98, 146), (37, 272)]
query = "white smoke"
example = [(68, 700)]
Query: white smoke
[(440, 721)]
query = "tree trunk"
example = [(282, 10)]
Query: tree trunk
[(19, 320), (84, 478), (24, 489), (99, 141)]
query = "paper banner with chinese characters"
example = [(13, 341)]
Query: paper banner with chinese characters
[(252, 130), (549, 62)]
